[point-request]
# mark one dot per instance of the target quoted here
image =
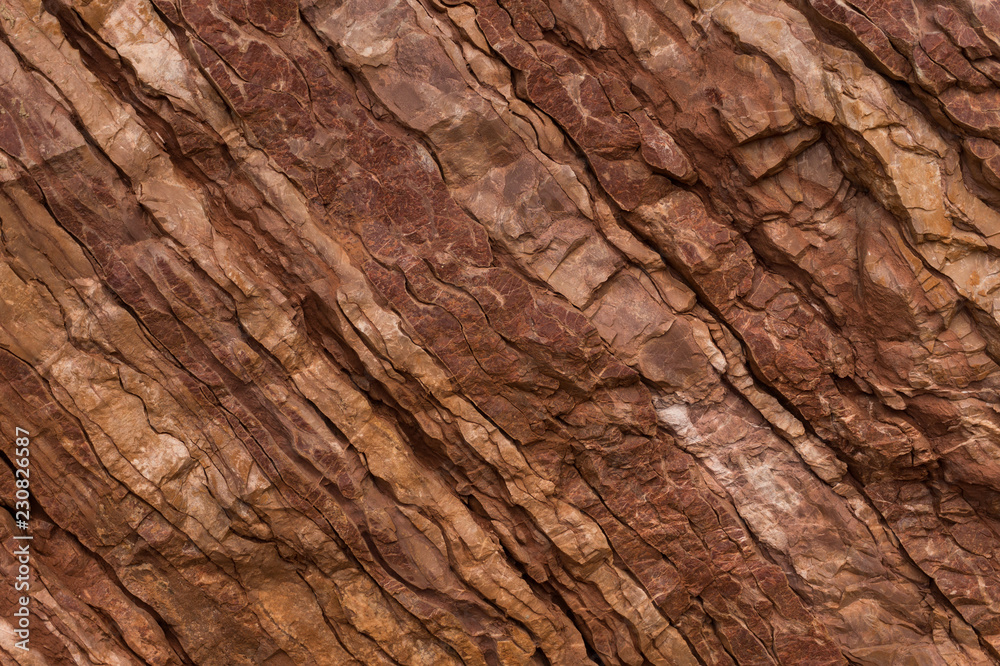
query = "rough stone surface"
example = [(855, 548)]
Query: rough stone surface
[(502, 332)]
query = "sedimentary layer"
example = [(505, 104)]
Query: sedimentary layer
[(502, 332)]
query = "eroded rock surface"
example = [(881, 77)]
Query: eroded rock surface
[(502, 332)]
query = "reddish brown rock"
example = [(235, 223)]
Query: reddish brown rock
[(504, 332)]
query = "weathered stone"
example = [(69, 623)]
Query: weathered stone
[(502, 332)]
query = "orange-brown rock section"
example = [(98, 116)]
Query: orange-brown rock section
[(502, 332)]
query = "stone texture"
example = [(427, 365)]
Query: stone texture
[(503, 331)]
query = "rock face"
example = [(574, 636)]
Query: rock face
[(502, 332)]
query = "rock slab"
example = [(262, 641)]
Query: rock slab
[(501, 332)]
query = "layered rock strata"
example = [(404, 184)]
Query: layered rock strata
[(502, 332)]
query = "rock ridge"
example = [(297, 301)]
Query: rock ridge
[(502, 331)]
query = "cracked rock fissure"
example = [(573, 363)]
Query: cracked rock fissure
[(502, 332)]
